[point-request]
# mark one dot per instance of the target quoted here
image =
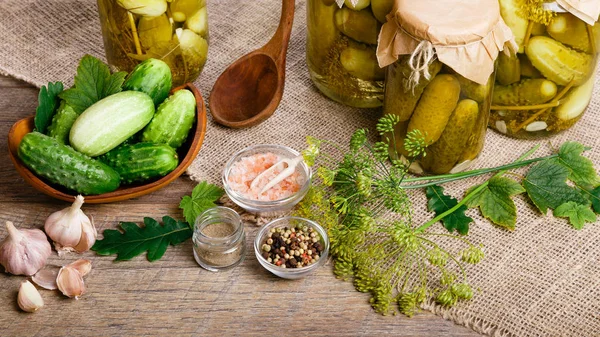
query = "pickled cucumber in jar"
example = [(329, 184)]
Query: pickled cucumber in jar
[(548, 87), (341, 49), (175, 31), (439, 95)]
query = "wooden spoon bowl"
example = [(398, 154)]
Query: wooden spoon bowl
[(187, 153), (250, 89)]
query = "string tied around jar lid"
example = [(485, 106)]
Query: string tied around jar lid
[(465, 35)]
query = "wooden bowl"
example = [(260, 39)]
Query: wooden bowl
[(187, 151)]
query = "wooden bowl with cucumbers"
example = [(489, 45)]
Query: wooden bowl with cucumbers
[(186, 153)]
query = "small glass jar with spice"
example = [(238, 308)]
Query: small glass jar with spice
[(440, 77), (219, 239)]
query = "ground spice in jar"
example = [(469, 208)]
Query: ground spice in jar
[(292, 247), (219, 239)]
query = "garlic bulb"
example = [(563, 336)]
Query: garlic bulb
[(70, 282), (25, 251), (29, 298), (71, 229)]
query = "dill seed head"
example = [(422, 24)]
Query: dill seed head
[(358, 139), (462, 291), (446, 298)]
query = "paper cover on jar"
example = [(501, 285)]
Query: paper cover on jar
[(466, 35), (586, 10)]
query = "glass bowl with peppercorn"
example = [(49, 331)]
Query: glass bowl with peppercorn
[(291, 247), (247, 165)]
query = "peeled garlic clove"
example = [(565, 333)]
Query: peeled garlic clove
[(25, 251), (82, 266), (71, 229), (70, 282), (29, 298), (46, 278)]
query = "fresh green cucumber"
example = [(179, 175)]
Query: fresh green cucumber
[(62, 122), (141, 161), (173, 120), (110, 121), (152, 77), (62, 165)]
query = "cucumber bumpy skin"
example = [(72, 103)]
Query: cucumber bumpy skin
[(62, 122), (438, 101), (559, 63), (62, 165), (510, 10), (322, 32), (361, 62), (444, 154), (571, 31), (173, 120), (142, 161), (398, 99), (152, 77), (526, 92)]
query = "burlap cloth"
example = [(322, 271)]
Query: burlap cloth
[(543, 279)]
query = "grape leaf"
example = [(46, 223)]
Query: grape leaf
[(135, 240), (47, 104), (581, 169), (495, 201), (440, 203), (204, 196), (93, 82), (578, 214), (546, 185)]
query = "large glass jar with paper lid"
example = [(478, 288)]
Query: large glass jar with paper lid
[(174, 31), (340, 51), (440, 78), (548, 85)]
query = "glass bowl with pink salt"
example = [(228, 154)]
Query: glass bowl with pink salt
[(247, 164)]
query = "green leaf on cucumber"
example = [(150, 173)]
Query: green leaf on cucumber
[(47, 104)]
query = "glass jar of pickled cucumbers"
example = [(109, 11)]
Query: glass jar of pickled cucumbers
[(548, 85), (440, 85), (341, 43), (174, 31)]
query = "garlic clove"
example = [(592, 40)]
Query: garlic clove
[(70, 282), (82, 266), (25, 251), (88, 236), (46, 278), (71, 229), (29, 298)]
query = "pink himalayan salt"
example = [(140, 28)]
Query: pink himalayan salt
[(246, 169)]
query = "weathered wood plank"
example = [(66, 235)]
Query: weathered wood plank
[(174, 296)]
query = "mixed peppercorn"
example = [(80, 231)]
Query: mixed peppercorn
[(292, 247)]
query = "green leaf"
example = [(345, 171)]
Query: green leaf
[(440, 203), (581, 169), (495, 201), (134, 240), (578, 214), (47, 104), (93, 82), (546, 185), (204, 196), (595, 198)]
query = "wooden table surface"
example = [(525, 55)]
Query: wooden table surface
[(174, 296)]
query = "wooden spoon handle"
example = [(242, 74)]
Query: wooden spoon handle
[(277, 46)]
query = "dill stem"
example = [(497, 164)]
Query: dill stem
[(481, 187)]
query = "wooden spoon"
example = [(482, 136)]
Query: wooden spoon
[(250, 89)]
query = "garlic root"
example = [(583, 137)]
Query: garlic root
[(25, 251)]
